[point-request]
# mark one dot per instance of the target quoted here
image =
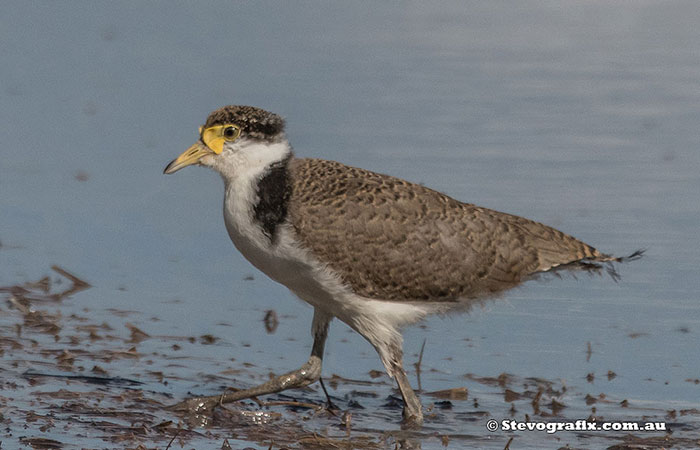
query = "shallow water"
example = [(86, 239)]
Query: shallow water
[(579, 115)]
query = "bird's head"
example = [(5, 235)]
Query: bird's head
[(232, 133)]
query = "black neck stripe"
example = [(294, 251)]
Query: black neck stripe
[(274, 192)]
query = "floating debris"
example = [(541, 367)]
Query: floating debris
[(637, 335), (208, 339), (511, 396), (589, 351), (459, 393), (136, 334)]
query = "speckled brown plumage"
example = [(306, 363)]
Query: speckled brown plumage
[(255, 123), (394, 240)]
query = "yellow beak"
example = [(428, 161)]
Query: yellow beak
[(190, 156)]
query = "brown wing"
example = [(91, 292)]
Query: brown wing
[(394, 240)]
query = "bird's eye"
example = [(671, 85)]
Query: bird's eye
[(230, 132)]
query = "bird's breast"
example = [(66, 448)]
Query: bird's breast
[(246, 234), (274, 257), (281, 258)]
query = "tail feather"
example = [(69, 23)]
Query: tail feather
[(596, 264), (620, 259)]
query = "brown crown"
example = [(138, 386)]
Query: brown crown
[(255, 123)]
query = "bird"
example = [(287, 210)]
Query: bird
[(376, 252)]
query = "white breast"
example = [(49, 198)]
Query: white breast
[(281, 260)]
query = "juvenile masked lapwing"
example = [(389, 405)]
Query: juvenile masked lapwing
[(375, 251)]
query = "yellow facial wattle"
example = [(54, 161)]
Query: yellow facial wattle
[(214, 137)]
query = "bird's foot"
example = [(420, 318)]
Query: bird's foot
[(412, 418), (331, 407), (197, 405)]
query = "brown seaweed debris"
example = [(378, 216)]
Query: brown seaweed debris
[(39, 291), (632, 442), (78, 284), (511, 396), (458, 393), (103, 381), (136, 334), (40, 443), (502, 380)]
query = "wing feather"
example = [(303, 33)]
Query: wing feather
[(394, 240)]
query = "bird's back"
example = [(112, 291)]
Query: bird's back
[(391, 239)]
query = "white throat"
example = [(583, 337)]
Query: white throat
[(246, 160)]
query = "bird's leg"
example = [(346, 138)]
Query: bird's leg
[(388, 343), (307, 374), (412, 414)]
